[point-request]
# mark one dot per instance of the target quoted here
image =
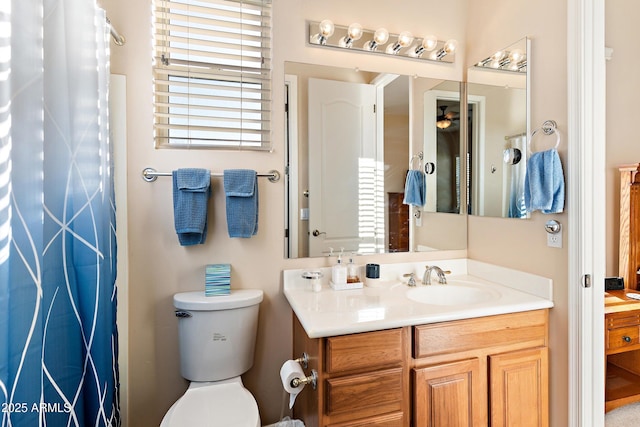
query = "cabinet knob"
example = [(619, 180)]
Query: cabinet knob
[(626, 338)]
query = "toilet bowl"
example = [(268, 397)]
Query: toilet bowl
[(216, 404), (217, 341)]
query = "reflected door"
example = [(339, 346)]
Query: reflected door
[(346, 208)]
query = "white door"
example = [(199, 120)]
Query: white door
[(345, 171)]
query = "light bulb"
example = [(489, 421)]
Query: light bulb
[(354, 32), (428, 44), (405, 38), (379, 37), (450, 46), (326, 28), (516, 55), (498, 56)]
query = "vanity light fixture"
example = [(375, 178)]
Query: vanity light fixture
[(515, 61), (380, 37), (405, 38), (326, 29), (356, 38), (354, 33)]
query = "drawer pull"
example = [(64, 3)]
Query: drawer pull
[(626, 338)]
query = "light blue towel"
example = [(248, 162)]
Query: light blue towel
[(415, 188), (241, 190), (191, 191), (544, 183)]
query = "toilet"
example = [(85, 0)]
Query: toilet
[(217, 340)]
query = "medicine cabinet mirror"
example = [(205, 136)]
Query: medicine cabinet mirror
[(349, 144), (498, 110)]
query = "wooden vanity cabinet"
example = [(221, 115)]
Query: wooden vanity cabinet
[(474, 372), (362, 379)]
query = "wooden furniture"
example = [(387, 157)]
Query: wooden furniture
[(629, 252), (476, 372), (622, 348), (398, 216)]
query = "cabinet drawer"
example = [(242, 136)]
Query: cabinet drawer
[(374, 393), (395, 419), (622, 337), (370, 350), (526, 329)]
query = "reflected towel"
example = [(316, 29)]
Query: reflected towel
[(241, 191), (191, 191), (415, 188), (544, 183)]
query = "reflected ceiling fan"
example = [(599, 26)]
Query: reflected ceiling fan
[(445, 119)]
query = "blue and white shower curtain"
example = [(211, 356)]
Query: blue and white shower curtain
[(58, 337)]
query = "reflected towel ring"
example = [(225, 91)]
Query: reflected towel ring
[(419, 157), (549, 127)]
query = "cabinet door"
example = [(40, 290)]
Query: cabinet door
[(519, 388), (447, 395)]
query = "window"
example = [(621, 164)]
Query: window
[(212, 74)]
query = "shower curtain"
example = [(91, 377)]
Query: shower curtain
[(58, 337), (515, 179)]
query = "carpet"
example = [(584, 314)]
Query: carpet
[(624, 416)]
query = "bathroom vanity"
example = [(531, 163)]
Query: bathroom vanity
[(385, 359)]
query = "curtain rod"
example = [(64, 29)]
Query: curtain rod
[(117, 37)]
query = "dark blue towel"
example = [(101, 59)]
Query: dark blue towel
[(241, 191), (544, 183), (415, 188), (191, 191)]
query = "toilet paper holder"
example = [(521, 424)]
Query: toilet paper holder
[(304, 360), (311, 379)]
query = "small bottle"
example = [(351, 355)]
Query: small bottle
[(339, 272), (352, 272)]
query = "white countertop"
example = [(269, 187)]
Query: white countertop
[(330, 312)]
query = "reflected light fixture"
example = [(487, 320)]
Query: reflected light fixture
[(515, 60), (354, 32), (428, 44), (326, 28), (405, 38), (442, 121), (379, 37), (449, 48)]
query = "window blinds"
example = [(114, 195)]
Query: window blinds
[(212, 73)]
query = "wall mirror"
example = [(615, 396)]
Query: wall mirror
[(498, 111), (351, 135)]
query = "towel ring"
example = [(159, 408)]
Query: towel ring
[(419, 157), (549, 127)]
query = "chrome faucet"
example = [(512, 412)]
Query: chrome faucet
[(426, 279), (412, 279)]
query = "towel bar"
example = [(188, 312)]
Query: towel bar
[(150, 175)]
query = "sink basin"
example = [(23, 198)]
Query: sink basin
[(454, 293)]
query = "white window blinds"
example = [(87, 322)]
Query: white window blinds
[(212, 73)]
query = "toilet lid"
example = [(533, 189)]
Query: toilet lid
[(219, 405)]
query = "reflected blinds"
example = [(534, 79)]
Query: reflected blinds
[(212, 73)]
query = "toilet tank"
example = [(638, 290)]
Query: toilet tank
[(216, 334)]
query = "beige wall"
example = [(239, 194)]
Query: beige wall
[(159, 267), (521, 244)]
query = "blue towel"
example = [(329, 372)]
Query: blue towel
[(544, 183), (241, 190), (415, 188), (191, 191)]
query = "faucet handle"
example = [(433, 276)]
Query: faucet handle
[(412, 279)]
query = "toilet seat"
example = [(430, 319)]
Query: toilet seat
[(214, 404)]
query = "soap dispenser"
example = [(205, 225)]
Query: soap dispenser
[(352, 272), (339, 272)]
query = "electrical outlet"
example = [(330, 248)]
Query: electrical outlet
[(554, 240)]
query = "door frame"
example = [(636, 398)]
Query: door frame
[(586, 214)]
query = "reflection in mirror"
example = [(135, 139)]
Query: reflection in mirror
[(347, 154), (498, 116)]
